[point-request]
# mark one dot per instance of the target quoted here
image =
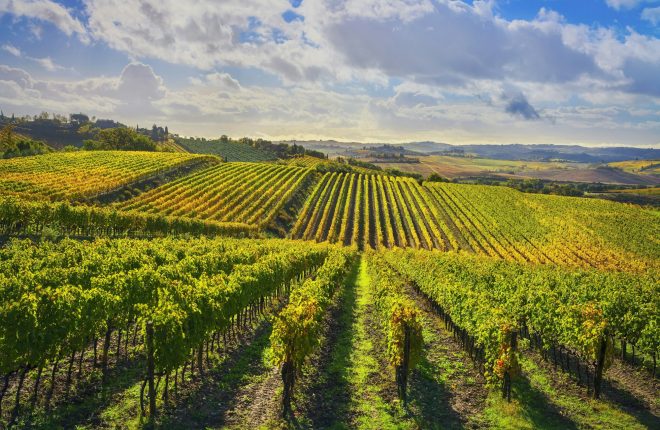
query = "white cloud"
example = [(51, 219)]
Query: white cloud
[(444, 43), (12, 50), (129, 95), (47, 63), (46, 10), (369, 69), (623, 4), (652, 15)]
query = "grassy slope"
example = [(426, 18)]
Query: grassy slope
[(645, 167), (230, 151), (544, 399)]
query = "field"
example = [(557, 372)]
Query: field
[(248, 193), (457, 167), (176, 332), (653, 191), (171, 145), (83, 174), (452, 167), (384, 212), (391, 303), (646, 167), (306, 161), (229, 151)]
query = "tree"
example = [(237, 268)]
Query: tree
[(434, 177), (15, 145), (78, 118), (121, 139)]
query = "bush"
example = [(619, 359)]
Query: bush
[(120, 139)]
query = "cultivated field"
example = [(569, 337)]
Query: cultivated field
[(229, 151), (83, 174), (461, 167), (452, 167), (384, 212), (646, 167), (249, 193), (392, 303)]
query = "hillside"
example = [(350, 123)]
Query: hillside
[(59, 131), (461, 167), (229, 150), (85, 174), (472, 305), (250, 193), (600, 174), (364, 210), (645, 167), (385, 212), (13, 144), (573, 153)]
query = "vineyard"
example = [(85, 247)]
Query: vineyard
[(306, 161), (385, 212), (248, 193), (229, 151), (83, 174), (392, 303)]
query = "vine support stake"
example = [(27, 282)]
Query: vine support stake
[(150, 371), (600, 365)]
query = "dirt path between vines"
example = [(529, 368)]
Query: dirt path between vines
[(446, 390)]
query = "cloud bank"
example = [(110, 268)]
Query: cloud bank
[(369, 69)]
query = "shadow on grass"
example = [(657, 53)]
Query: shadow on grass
[(324, 402), (537, 408), (89, 401), (632, 405), (429, 399), (206, 405)]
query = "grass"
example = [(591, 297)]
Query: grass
[(369, 408), (465, 166), (652, 191), (651, 167), (446, 392), (552, 401), (323, 401)]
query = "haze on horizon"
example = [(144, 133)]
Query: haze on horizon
[(507, 71)]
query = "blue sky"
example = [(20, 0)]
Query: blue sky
[(505, 71)]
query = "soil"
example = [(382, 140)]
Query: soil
[(459, 399)]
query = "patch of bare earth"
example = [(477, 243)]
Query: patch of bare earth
[(256, 403), (446, 388)]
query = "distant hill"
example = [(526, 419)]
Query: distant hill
[(58, 131), (575, 153)]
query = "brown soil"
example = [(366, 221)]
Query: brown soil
[(458, 399)]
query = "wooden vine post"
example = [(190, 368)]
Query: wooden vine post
[(150, 371), (288, 380), (600, 366), (402, 369)]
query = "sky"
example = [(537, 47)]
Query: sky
[(463, 72)]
